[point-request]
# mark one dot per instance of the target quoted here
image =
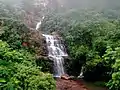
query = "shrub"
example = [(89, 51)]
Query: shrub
[(114, 83), (19, 71)]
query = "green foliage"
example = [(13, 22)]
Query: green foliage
[(46, 64), (19, 71), (114, 83), (91, 36), (12, 32), (54, 22), (91, 41)]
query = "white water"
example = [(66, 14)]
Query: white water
[(56, 51), (39, 23), (81, 73)]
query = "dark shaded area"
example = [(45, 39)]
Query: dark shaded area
[(76, 85), (45, 64)]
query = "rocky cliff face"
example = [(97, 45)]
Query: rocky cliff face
[(36, 41)]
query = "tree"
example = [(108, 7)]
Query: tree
[(19, 71)]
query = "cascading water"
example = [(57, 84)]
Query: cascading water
[(56, 52), (81, 73), (39, 23)]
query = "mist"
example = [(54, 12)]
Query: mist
[(70, 4), (37, 35), (11, 2), (33, 11)]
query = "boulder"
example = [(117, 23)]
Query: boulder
[(65, 76)]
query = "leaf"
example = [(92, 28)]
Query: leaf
[(2, 80)]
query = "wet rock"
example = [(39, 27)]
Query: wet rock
[(66, 77), (72, 77)]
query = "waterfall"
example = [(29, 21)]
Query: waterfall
[(39, 23), (81, 73), (56, 52)]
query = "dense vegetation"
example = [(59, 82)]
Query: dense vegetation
[(94, 44), (18, 67), (91, 33), (93, 40), (19, 71)]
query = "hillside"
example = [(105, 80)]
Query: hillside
[(89, 30)]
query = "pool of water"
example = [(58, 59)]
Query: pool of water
[(76, 85), (92, 86)]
